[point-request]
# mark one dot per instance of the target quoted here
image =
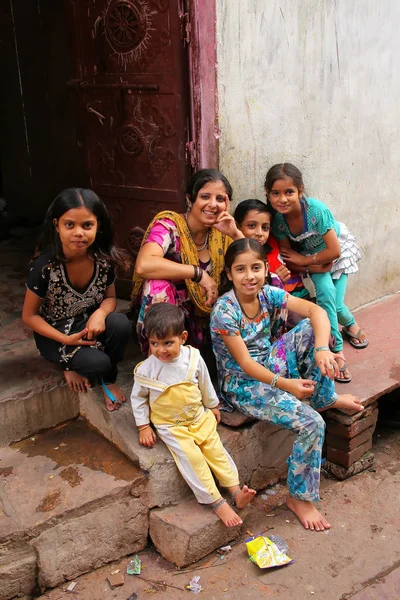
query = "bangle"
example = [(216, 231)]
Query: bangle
[(321, 349), (307, 271), (274, 380), (141, 427), (314, 258), (198, 274)]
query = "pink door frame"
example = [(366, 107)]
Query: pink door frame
[(202, 67)]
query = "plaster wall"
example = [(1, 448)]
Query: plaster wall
[(316, 83)]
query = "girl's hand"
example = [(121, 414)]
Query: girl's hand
[(216, 413), (300, 388), (320, 268), (77, 339), (283, 273), (209, 289), (96, 324), (147, 437), (292, 256), (327, 364)]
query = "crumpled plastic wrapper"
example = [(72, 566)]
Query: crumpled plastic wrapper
[(265, 553)]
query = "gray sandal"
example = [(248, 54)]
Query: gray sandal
[(355, 336)]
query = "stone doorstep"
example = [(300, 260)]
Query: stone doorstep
[(68, 508), (346, 459), (195, 529), (349, 444), (350, 431), (342, 473)]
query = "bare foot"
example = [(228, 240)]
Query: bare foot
[(76, 382), (244, 496), (228, 515), (307, 514), (117, 393), (341, 363), (348, 402)]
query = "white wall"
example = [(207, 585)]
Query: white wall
[(317, 83)]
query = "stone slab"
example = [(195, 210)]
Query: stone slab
[(349, 431), (18, 574), (234, 418), (349, 444), (186, 533), (349, 419), (346, 459), (342, 473)]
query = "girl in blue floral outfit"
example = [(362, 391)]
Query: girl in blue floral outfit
[(267, 380)]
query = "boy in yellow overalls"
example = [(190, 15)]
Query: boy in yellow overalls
[(173, 390)]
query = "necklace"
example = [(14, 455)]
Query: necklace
[(202, 246), (244, 312)]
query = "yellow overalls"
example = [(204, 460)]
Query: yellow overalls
[(190, 433)]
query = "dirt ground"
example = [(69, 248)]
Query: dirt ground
[(354, 559)]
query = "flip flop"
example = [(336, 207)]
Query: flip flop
[(351, 336), (109, 394), (343, 370)]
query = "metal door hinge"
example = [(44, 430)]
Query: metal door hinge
[(191, 155), (186, 28)]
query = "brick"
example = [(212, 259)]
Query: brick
[(349, 419), (365, 462), (116, 579), (186, 533), (346, 459), (348, 444), (350, 431)]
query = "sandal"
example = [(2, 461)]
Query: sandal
[(342, 371), (355, 336), (109, 394)]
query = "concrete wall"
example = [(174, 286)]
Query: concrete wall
[(316, 83)]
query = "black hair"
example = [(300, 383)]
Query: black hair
[(246, 206), (283, 171), (103, 245), (201, 178), (162, 320), (239, 247)]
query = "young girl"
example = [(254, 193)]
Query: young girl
[(268, 381), (70, 298), (309, 236), (254, 218)]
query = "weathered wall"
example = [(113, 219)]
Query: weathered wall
[(316, 83)]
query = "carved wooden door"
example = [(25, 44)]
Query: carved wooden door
[(132, 98)]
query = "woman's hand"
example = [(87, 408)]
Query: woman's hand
[(327, 364), (209, 289), (290, 255), (79, 339), (216, 413), (96, 324), (147, 437), (283, 273), (226, 224), (300, 388)]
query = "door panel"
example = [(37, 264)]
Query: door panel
[(130, 81)]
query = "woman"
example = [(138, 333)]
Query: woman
[(182, 256)]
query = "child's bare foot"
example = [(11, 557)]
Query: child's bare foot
[(243, 496), (348, 402), (117, 396), (227, 514), (76, 382), (307, 514)]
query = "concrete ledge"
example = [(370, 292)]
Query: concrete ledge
[(186, 533)]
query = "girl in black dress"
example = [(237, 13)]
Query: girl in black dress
[(70, 298)]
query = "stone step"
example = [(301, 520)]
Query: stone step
[(69, 502), (259, 449), (195, 530)]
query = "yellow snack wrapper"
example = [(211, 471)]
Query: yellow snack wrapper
[(265, 553)]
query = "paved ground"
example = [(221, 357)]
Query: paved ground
[(358, 558)]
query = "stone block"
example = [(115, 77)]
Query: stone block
[(346, 459), (235, 418), (18, 574), (348, 419), (349, 444), (365, 462), (82, 543), (349, 431), (186, 533)]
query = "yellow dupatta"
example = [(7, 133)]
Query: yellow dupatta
[(218, 244)]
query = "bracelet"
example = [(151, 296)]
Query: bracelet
[(307, 271), (198, 274), (314, 258), (274, 380), (322, 349), (141, 427)]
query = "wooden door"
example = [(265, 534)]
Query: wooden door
[(131, 92)]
